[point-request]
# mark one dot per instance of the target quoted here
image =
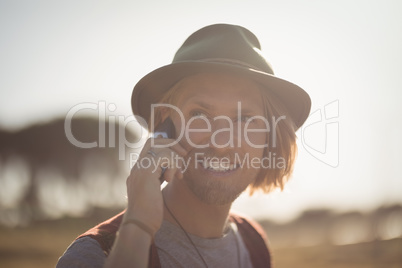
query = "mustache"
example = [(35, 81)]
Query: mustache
[(211, 153)]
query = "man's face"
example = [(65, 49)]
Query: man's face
[(217, 109)]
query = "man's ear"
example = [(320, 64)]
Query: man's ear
[(165, 113)]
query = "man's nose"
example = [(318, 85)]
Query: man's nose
[(223, 135)]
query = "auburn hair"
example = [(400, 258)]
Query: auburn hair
[(282, 145)]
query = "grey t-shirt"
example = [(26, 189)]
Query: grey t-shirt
[(174, 250)]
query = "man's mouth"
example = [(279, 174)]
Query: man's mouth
[(218, 166)]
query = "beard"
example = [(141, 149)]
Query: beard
[(216, 192), (213, 192)]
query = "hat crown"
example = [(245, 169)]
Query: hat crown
[(224, 43)]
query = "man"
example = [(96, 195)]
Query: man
[(231, 126)]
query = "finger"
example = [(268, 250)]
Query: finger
[(170, 157), (169, 174), (166, 154), (180, 150), (160, 161), (179, 173), (170, 162), (173, 172), (161, 143)]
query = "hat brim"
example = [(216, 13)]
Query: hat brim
[(150, 89)]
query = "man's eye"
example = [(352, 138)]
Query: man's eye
[(245, 119), (198, 114)]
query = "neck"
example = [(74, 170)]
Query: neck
[(196, 217)]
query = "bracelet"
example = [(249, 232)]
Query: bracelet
[(141, 225)]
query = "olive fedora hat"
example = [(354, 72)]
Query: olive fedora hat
[(220, 48)]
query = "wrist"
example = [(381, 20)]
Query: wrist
[(139, 224)]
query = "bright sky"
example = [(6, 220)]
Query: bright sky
[(346, 54)]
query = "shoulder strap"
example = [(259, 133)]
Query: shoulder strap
[(105, 232), (255, 240)]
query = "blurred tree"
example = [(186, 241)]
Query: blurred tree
[(46, 147)]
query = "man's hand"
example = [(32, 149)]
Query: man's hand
[(145, 204), (145, 201)]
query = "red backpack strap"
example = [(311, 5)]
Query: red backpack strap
[(154, 257), (105, 234), (255, 240)]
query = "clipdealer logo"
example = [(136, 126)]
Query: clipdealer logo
[(320, 134)]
